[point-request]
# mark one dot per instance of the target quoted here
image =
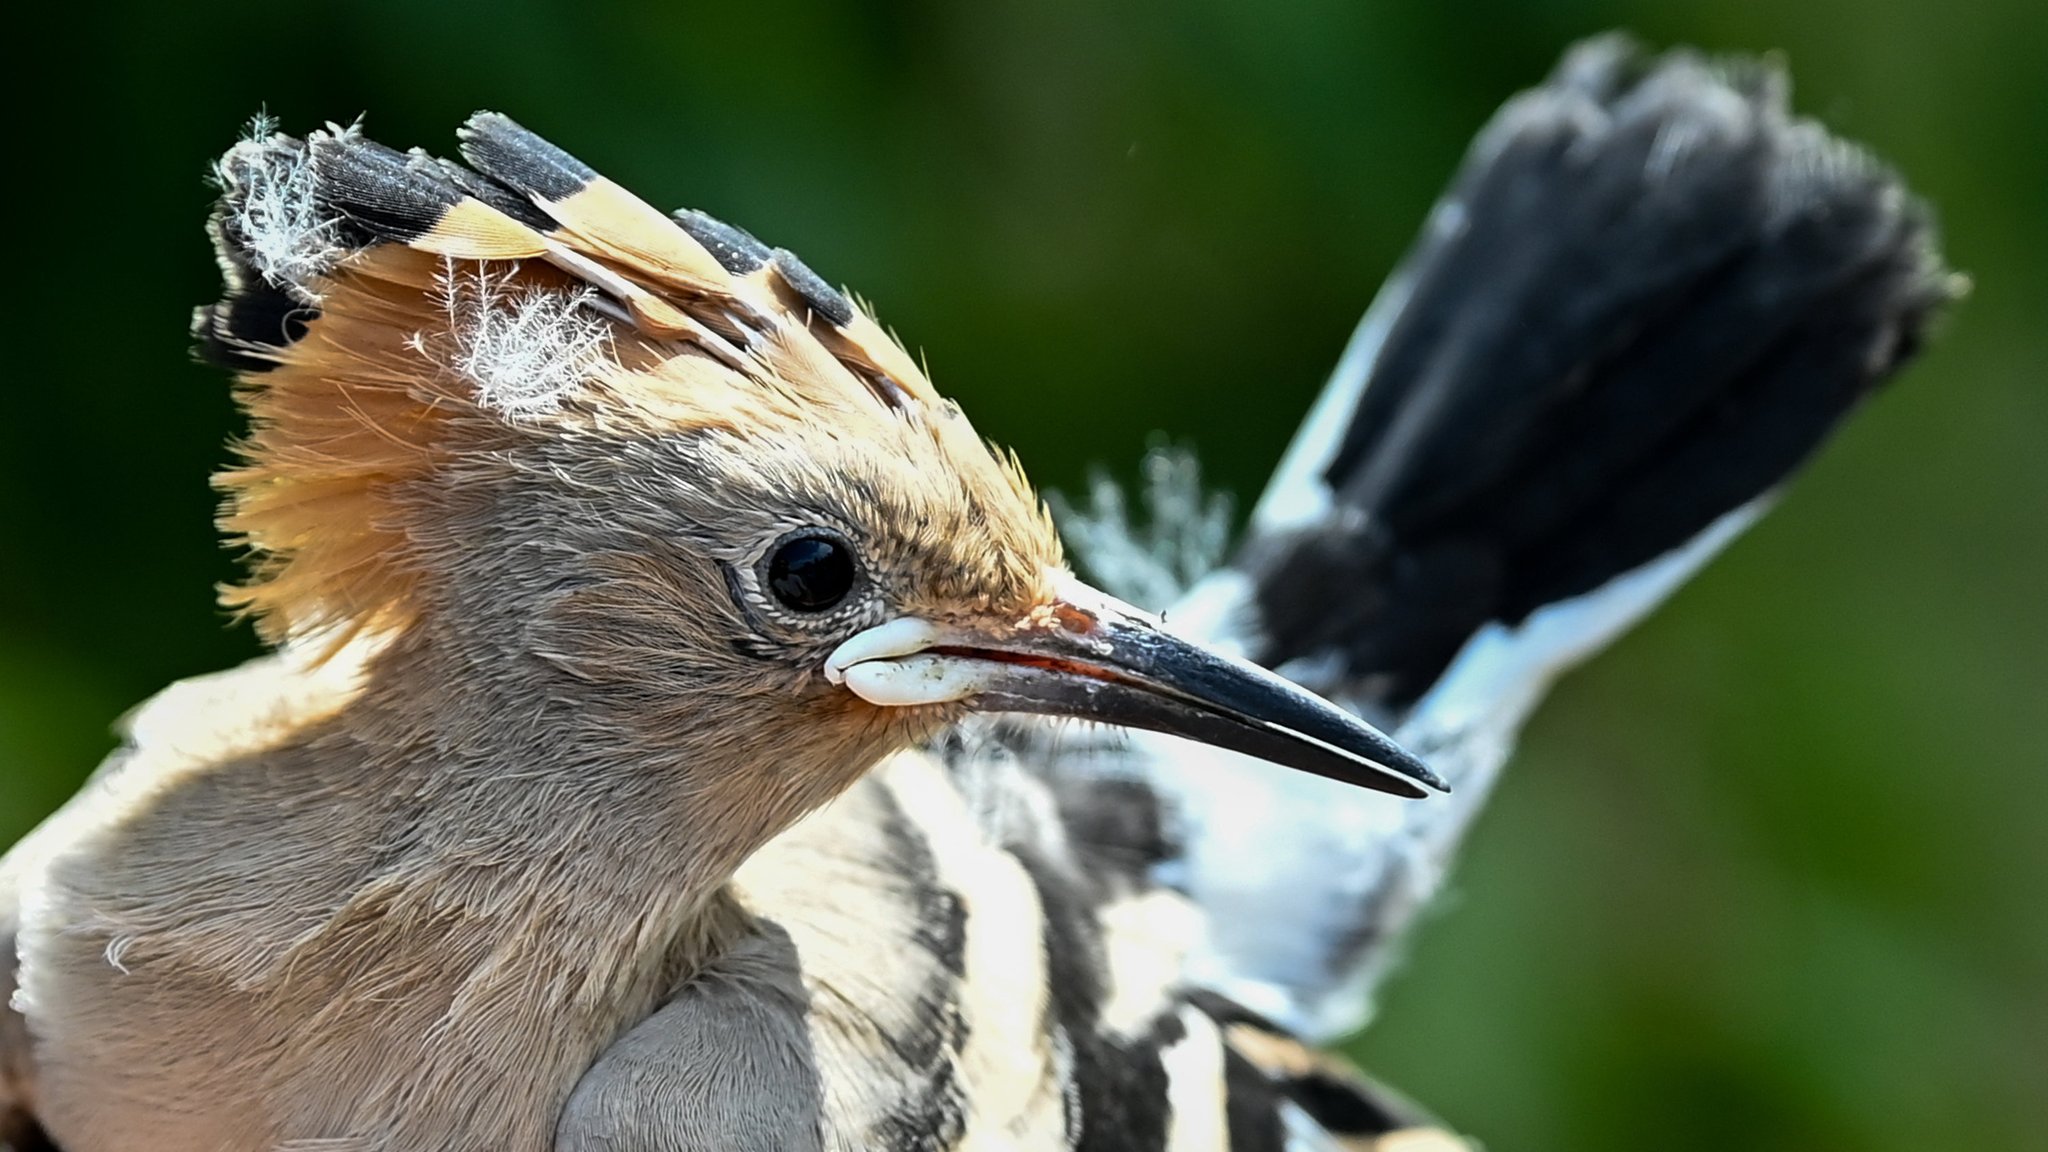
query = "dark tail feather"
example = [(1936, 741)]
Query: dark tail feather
[(1649, 294)]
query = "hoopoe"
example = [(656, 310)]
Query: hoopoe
[(661, 748)]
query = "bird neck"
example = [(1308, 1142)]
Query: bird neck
[(606, 825)]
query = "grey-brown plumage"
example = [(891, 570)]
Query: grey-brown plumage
[(617, 781)]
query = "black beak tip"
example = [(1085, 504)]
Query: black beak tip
[(1419, 772), (1386, 766), (1407, 778)]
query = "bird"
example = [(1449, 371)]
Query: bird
[(682, 730)]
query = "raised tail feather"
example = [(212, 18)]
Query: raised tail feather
[(1647, 297)]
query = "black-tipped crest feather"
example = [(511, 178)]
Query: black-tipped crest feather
[(827, 301), (382, 193), (507, 200), (241, 331), (734, 247), (262, 306), (497, 146)]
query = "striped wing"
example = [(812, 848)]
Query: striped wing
[(979, 979)]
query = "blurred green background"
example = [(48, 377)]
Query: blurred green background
[(1772, 875)]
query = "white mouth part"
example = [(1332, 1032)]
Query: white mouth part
[(921, 679), (904, 636), (888, 665)]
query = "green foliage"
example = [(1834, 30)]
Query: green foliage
[(1768, 877)]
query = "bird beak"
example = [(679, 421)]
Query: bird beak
[(1088, 656)]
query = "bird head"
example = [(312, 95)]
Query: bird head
[(643, 468)]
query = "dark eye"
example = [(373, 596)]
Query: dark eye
[(810, 573)]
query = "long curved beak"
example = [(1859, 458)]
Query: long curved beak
[(1089, 656)]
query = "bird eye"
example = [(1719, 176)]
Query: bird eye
[(811, 573)]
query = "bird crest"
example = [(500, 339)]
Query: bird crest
[(392, 314)]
